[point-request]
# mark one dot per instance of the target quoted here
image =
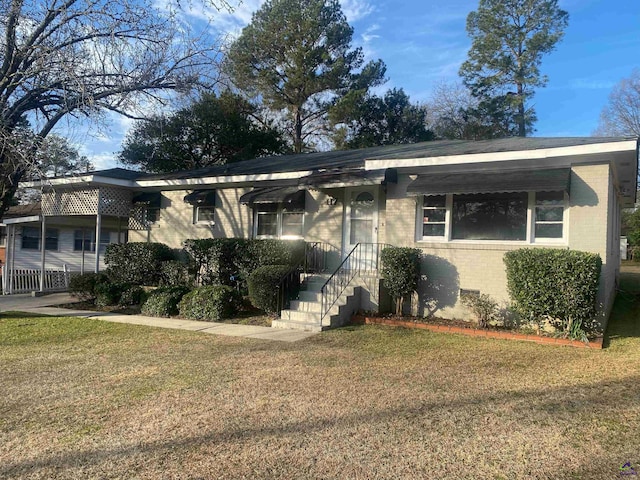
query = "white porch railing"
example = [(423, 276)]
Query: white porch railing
[(22, 280)]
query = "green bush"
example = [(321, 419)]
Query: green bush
[(173, 272), (560, 285), (133, 295), (83, 286), (136, 263), (263, 286), (163, 302), (229, 261), (401, 272), (108, 293), (210, 303)]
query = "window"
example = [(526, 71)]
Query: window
[(495, 216), (278, 221), (88, 238), (204, 214), (434, 214), (519, 216), (549, 214), (31, 238)]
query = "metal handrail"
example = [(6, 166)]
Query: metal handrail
[(289, 283), (343, 275)]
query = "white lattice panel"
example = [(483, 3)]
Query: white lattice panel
[(88, 201), (115, 201), (70, 202), (138, 218)]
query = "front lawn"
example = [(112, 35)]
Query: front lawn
[(82, 398)]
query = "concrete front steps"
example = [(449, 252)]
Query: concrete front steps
[(305, 314)]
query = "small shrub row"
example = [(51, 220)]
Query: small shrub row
[(163, 301), (210, 303), (99, 289), (230, 261)]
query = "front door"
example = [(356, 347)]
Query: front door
[(361, 224)]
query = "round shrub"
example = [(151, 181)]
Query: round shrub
[(83, 286), (163, 302), (210, 303), (133, 295), (263, 286)]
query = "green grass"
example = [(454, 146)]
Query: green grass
[(83, 398)]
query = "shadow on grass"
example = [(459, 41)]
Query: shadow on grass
[(8, 315), (625, 315), (568, 403)]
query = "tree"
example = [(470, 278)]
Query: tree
[(621, 116), (212, 131), (84, 58), (56, 157), (509, 38), (453, 113), (295, 55), (369, 120)]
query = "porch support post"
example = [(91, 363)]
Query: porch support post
[(98, 227), (13, 258), (84, 236), (43, 250)]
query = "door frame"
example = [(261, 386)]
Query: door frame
[(346, 231)]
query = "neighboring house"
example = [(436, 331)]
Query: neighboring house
[(463, 203)]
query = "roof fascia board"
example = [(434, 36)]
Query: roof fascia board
[(91, 180), (32, 218), (186, 182), (575, 150)]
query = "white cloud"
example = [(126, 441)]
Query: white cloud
[(589, 84), (356, 10)]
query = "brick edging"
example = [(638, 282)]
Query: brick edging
[(474, 332)]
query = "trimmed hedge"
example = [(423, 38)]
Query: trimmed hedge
[(163, 302), (83, 286), (561, 285), (263, 286), (210, 303), (173, 272), (133, 295), (229, 261), (401, 272), (136, 263)]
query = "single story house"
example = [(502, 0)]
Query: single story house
[(463, 203)]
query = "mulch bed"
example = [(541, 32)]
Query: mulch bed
[(465, 328)]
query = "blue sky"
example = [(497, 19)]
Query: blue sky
[(424, 42)]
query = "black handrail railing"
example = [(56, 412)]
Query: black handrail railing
[(364, 257), (313, 260)]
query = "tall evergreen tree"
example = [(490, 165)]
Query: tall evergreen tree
[(509, 39), (296, 56), (370, 120)]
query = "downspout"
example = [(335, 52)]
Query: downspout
[(43, 254)]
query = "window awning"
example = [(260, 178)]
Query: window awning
[(149, 199), (201, 197), (288, 196), (550, 180)]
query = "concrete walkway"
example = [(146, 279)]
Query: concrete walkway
[(46, 305)]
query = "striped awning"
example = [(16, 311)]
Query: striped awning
[(548, 180), (289, 196), (201, 197)]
